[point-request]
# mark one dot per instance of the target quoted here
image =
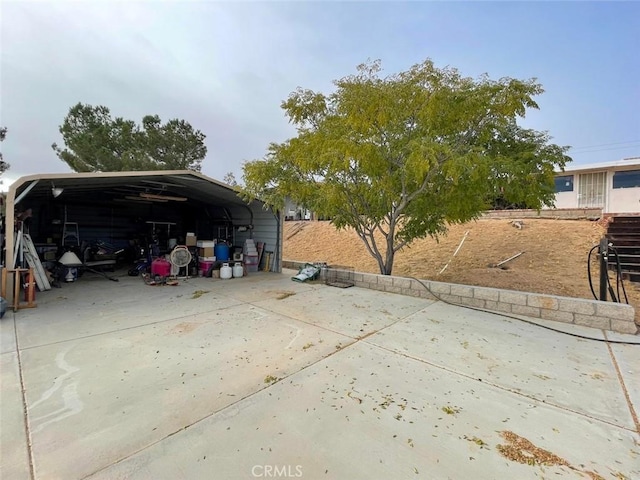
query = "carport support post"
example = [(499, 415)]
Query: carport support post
[(604, 268)]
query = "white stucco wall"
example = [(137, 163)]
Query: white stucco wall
[(567, 199), (624, 200)]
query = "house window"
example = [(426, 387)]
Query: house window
[(628, 179), (564, 183)]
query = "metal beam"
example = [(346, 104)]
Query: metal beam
[(26, 190)]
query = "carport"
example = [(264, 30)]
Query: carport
[(118, 207)]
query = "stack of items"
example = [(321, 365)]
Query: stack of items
[(250, 255), (206, 257)]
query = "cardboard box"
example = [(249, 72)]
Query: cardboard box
[(205, 252), (191, 240), (206, 243)]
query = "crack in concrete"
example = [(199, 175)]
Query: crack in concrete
[(132, 327), (632, 410), (232, 405), (25, 409), (355, 340), (500, 387)]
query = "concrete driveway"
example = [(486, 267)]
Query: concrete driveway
[(263, 377)]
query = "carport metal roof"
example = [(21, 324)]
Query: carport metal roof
[(106, 187)]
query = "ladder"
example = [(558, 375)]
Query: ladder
[(70, 231)]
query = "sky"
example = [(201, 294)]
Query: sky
[(225, 67)]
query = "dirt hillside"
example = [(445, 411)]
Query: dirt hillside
[(554, 259)]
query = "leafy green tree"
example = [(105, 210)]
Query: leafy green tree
[(175, 144), (96, 142), (4, 166), (401, 156), (230, 179)]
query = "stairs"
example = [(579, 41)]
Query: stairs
[(624, 234)]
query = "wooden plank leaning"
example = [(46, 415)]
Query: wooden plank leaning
[(31, 255)]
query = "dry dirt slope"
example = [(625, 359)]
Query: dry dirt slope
[(554, 259)]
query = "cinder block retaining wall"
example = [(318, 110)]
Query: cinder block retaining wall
[(590, 313), (555, 213)]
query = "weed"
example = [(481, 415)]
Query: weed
[(284, 294), (450, 410), (199, 293), (478, 441)]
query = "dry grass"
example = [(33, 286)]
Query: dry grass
[(554, 259), (521, 450)]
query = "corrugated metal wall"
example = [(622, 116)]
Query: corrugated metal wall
[(265, 229), (123, 224), (116, 224)]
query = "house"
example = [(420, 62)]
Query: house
[(614, 187), (295, 211)]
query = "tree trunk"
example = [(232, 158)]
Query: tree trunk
[(388, 262)]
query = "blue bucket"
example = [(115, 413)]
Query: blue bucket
[(221, 251)]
